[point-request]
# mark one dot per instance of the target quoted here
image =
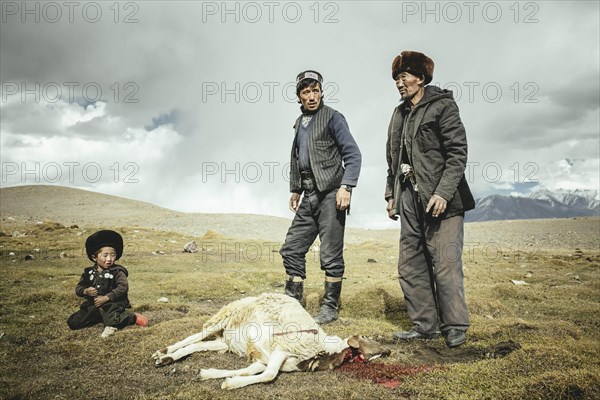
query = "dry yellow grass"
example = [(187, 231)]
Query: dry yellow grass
[(554, 318)]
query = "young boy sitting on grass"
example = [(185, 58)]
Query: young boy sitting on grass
[(104, 286)]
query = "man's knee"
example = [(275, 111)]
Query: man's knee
[(291, 255), (285, 250)]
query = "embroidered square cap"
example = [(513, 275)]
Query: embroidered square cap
[(309, 74)]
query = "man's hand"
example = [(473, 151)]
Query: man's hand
[(342, 199), (92, 292), (391, 211), (294, 202), (438, 204), (100, 300)]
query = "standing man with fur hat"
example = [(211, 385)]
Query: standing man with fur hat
[(325, 165), (104, 285), (427, 156)]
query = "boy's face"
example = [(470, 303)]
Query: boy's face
[(106, 257)]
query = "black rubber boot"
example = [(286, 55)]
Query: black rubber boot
[(294, 289), (454, 337), (331, 299)]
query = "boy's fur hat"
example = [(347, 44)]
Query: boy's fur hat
[(415, 63), (102, 239)]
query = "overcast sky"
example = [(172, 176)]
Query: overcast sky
[(190, 105)]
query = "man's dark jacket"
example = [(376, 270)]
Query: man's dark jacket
[(439, 152)]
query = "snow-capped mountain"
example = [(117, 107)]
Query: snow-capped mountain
[(573, 198), (539, 204)]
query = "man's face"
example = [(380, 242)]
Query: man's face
[(408, 85), (106, 257), (310, 97)]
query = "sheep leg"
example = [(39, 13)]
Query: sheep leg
[(212, 373), (198, 337), (276, 360), (213, 345)]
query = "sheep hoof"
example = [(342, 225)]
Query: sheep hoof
[(159, 353), (161, 362)]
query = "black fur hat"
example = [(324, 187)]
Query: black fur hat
[(102, 239), (415, 63)]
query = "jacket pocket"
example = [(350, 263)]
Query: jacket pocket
[(428, 137), (324, 144), (329, 163)]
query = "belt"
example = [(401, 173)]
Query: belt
[(409, 175)]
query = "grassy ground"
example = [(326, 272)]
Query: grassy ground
[(554, 319)]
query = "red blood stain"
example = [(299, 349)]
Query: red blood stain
[(388, 375)]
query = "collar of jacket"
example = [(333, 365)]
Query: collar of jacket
[(113, 269), (432, 93), (312, 112)]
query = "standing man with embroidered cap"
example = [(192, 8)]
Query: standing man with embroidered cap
[(104, 286), (324, 168), (427, 156)]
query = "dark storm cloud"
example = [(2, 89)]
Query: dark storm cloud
[(208, 91)]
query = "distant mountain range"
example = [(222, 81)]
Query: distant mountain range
[(539, 204)]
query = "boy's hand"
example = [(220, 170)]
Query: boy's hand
[(92, 292), (98, 301)]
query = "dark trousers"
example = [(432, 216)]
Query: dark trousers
[(430, 267), (317, 215), (110, 314)]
